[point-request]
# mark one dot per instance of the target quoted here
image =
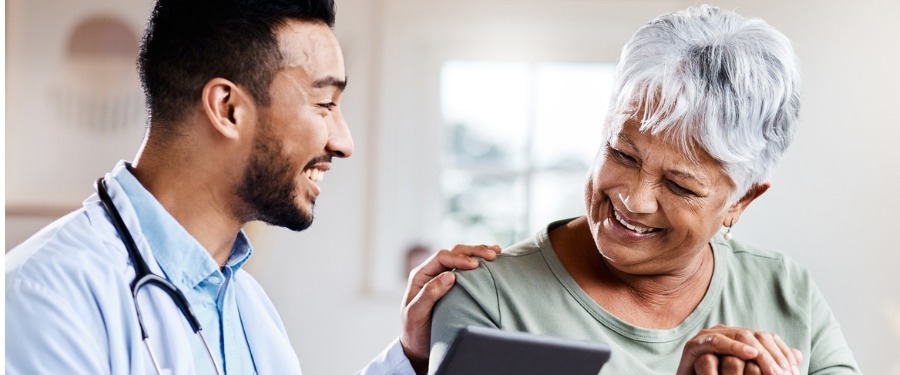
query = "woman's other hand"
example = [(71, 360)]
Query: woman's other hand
[(732, 350), (725, 365)]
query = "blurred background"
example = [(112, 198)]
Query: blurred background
[(475, 121)]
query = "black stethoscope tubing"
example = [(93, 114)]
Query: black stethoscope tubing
[(144, 277)]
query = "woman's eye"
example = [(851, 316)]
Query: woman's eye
[(623, 157), (680, 190), (328, 106)]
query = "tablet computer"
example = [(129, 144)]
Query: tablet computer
[(489, 351)]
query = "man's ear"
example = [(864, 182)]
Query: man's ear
[(227, 106), (734, 213)]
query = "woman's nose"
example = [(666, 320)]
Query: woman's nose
[(640, 199)]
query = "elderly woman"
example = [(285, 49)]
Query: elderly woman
[(704, 105)]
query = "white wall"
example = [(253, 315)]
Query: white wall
[(832, 205)]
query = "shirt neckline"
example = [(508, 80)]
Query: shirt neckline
[(688, 326), (181, 257)]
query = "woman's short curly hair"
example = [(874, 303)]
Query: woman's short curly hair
[(710, 78)]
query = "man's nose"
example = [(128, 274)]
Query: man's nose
[(340, 141)]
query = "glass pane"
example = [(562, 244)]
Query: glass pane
[(555, 196), (485, 112), (570, 105), (482, 209)]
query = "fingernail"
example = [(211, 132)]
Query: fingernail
[(447, 278)]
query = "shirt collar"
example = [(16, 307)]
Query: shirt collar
[(185, 262)]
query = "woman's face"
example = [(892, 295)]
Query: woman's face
[(652, 210)]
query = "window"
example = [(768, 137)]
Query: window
[(518, 139)]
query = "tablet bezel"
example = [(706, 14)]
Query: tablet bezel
[(491, 351)]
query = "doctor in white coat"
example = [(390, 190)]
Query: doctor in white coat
[(245, 119)]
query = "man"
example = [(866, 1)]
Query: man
[(245, 119)]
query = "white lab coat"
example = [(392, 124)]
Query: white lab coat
[(69, 307)]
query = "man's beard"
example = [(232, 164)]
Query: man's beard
[(269, 189)]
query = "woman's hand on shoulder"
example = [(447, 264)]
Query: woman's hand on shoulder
[(734, 350)]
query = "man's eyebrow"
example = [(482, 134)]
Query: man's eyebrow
[(332, 81)]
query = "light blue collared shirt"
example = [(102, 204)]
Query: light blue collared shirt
[(192, 270), (69, 308)]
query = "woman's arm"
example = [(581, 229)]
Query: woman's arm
[(472, 302)]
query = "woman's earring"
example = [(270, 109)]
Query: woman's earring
[(728, 235)]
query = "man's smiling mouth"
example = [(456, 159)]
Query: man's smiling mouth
[(314, 174)]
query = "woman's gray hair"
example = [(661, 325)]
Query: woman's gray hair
[(711, 78)]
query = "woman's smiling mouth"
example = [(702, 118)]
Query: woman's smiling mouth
[(632, 227)]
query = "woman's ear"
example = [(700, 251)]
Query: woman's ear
[(738, 207), (227, 106)]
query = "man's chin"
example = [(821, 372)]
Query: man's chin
[(299, 227), (296, 221), (291, 225)]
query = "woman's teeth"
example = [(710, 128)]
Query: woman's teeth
[(316, 175), (634, 228)]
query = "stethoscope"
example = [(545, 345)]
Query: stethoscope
[(143, 277)]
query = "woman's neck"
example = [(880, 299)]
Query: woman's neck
[(658, 301)]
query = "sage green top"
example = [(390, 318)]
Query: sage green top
[(527, 289)]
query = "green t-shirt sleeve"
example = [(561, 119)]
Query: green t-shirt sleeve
[(785, 301), (472, 302), (829, 351)]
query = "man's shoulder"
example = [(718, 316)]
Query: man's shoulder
[(71, 246)]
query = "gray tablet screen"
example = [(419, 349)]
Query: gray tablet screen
[(488, 351)]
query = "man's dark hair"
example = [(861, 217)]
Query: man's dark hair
[(189, 42)]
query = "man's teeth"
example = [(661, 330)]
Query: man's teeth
[(316, 175), (634, 228)]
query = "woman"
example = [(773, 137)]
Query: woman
[(704, 105)]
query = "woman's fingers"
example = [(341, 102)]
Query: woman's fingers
[(711, 342), (707, 364), (766, 361), (768, 341), (753, 352), (731, 365), (751, 368), (789, 355), (775, 356)]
